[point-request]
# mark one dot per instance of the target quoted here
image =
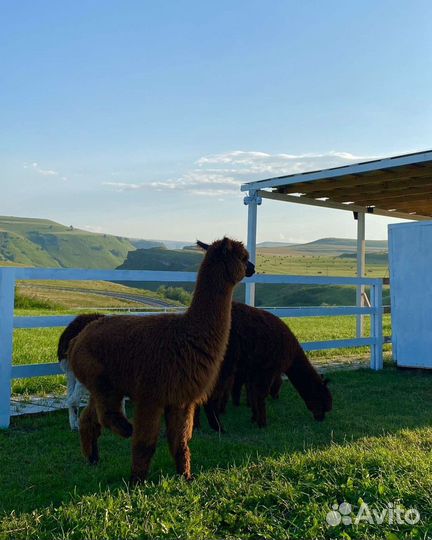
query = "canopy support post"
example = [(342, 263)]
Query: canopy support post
[(251, 201), (361, 264)]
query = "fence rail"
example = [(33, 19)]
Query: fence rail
[(8, 322)]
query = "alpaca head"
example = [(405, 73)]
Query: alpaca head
[(320, 401), (232, 256)]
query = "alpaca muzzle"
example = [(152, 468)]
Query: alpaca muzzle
[(250, 269)]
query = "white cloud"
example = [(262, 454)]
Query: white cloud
[(43, 172), (262, 163), (220, 175), (195, 182)]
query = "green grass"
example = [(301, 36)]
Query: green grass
[(277, 482), (307, 265), (63, 294)]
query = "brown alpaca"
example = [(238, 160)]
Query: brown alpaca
[(260, 348), (165, 364)]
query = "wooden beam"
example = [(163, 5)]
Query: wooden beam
[(339, 206)]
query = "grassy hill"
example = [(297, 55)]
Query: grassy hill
[(41, 242), (324, 246), (267, 295), (162, 259), (180, 260)]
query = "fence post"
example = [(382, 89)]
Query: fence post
[(7, 301), (377, 327)]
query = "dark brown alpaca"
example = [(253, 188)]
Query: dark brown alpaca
[(260, 348), (165, 364)]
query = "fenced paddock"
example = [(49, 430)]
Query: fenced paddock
[(8, 321)]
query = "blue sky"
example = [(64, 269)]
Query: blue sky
[(141, 118)]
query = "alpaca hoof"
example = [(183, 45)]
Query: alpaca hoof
[(93, 460), (136, 479), (74, 424), (118, 424), (127, 430)]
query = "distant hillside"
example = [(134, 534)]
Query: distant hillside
[(162, 259), (371, 258), (146, 244), (275, 244), (41, 242), (175, 244), (333, 247)]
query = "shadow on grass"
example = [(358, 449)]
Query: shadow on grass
[(41, 461)]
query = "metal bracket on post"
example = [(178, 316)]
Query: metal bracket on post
[(7, 301), (252, 201)]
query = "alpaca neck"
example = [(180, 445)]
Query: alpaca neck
[(211, 302), (303, 375)]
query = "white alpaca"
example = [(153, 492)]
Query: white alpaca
[(75, 393)]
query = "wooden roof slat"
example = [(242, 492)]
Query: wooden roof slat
[(409, 206), (384, 186), (394, 197), (322, 187)]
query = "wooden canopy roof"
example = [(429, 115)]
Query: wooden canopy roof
[(399, 186)]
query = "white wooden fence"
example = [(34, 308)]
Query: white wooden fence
[(9, 276)]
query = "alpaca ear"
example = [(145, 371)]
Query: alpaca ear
[(225, 245), (202, 245)]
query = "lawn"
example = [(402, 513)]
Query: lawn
[(278, 482), (270, 262)]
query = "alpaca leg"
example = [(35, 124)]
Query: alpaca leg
[(72, 410), (90, 430), (236, 390), (145, 436), (212, 412), (108, 403), (249, 398), (179, 431), (223, 401), (197, 418), (252, 401), (261, 411), (276, 387), (123, 407), (258, 393)]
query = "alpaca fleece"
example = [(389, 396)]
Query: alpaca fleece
[(260, 348), (167, 364)]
